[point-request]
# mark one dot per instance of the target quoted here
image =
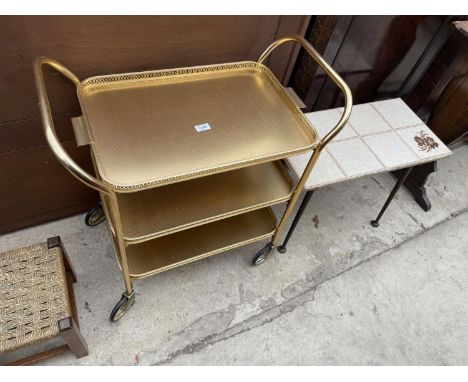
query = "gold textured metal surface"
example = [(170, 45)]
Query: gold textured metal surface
[(163, 210), (142, 125), (161, 254)]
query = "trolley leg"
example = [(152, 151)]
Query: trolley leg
[(375, 223), (268, 250), (302, 207), (128, 297)]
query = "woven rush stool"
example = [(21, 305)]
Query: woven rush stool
[(37, 302)]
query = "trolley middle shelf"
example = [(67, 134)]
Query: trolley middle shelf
[(167, 209), (170, 251)]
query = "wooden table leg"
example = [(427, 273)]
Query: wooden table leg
[(415, 184)]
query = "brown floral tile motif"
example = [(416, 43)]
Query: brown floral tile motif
[(425, 142)]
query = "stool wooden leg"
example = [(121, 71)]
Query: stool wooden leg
[(71, 334), (56, 242)]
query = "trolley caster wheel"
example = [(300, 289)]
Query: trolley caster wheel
[(95, 216), (262, 255), (122, 306)]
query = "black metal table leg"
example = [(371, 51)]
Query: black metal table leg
[(302, 207), (375, 223)]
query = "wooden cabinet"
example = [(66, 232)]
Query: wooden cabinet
[(421, 59), (441, 99), (379, 57)]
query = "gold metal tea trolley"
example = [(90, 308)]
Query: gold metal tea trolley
[(188, 161)]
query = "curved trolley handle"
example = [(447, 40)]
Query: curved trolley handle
[(48, 123), (313, 159), (330, 72)]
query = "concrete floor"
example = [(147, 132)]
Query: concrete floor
[(344, 294)]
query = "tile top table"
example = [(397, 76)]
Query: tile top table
[(379, 137)]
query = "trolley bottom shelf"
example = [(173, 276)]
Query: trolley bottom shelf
[(170, 251)]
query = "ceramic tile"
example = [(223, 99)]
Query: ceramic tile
[(325, 171), (324, 121), (354, 157), (366, 120), (390, 149), (424, 142), (397, 113)]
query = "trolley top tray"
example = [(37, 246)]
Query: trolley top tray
[(153, 128)]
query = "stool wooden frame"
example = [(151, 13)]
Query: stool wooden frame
[(68, 327)]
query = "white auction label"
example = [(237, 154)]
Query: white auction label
[(202, 127)]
